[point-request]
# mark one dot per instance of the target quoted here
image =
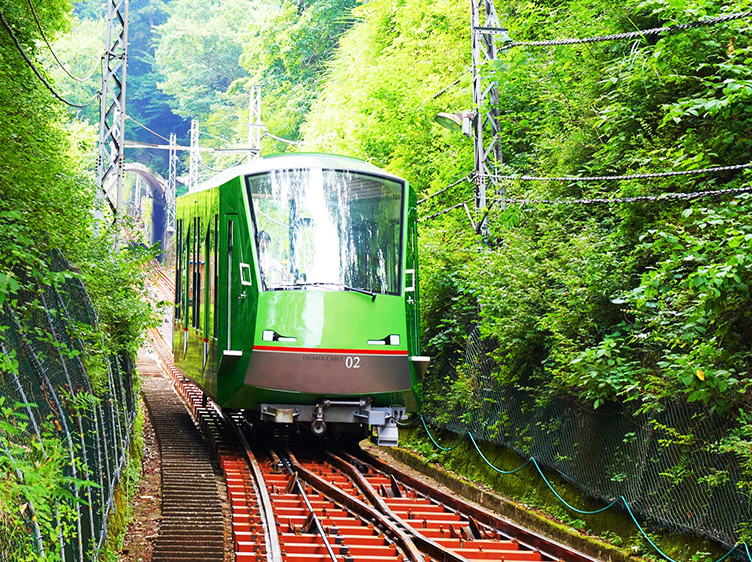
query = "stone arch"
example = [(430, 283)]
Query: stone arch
[(156, 186)]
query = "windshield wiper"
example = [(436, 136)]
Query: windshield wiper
[(325, 284)]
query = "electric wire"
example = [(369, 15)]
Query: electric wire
[(445, 211), (280, 139), (34, 68), (147, 128), (468, 178), (601, 201), (620, 36), (89, 73), (714, 170), (222, 170), (635, 199), (575, 179), (445, 89)]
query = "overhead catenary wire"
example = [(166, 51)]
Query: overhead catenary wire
[(280, 139), (31, 65), (601, 201), (201, 162), (89, 73), (635, 199), (147, 128), (575, 179)]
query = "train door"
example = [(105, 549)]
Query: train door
[(239, 284), (411, 288), (230, 226)]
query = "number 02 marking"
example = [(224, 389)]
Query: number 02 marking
[(352, 362)]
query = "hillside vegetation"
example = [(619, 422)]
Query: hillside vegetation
[(633, 306), (636, 307), (47, 203), (636, 301)]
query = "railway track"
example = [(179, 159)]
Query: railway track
[(298, 499)]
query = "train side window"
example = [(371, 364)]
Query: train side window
[(245, 275), (179, 264), (215, 285), (198, 294), (208, 278), (189, 277)]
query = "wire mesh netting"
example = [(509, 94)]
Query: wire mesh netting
[(59, 410), (666, 464)]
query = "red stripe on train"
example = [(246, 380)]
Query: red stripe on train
[(320, 350)]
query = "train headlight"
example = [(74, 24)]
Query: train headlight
[(392, 339), (271, 335)]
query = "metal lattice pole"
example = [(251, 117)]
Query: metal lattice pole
[(112, 109), (255, 126), (193, 167), (486, 103), (171, 193)]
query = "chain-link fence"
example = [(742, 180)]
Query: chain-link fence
[(68, 412), (666, 464)]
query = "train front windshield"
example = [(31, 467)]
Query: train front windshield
[(327, 228)]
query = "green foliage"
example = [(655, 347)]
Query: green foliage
[(640, 304), (36, 489), (198, 51), (289, 46), (689, 315), (605, 303), (208, 54), (47, 203)]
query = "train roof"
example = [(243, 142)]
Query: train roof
[(294, 161)]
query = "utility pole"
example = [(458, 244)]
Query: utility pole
[(488, 159), (194, 156), (255, 126), (112, 108)]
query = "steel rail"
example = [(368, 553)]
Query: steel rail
[(361, 509), (525, 536), (288, 464), (273, 548), (428, 546)]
